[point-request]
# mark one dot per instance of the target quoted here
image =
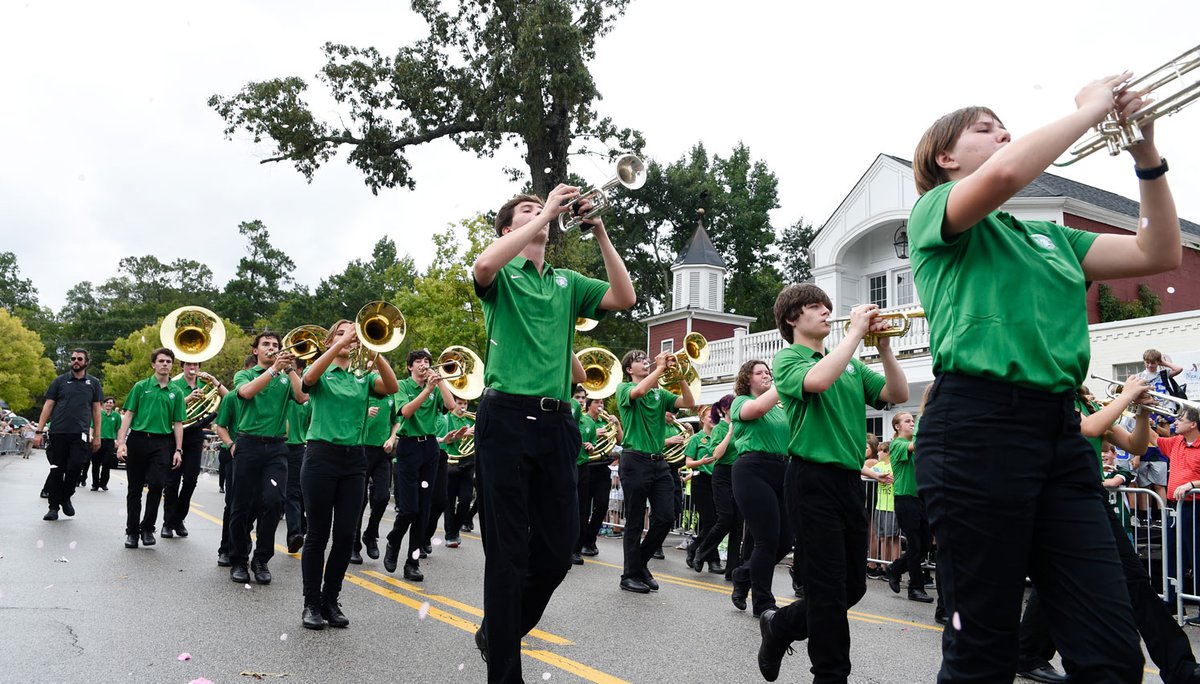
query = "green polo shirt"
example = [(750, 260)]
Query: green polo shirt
[(298, 417), (227, 415), (109, 424), (424, 421), (698, 447), (453, 423), (904, 470), (826, 427), (265, 414), (181, 383), (1097, 442), (155, 408), (767, 433), (718, 435), (339, 406), (644, 418), (576, 410), (530, 321), (1006, 299), (587, 432), (379, 428)]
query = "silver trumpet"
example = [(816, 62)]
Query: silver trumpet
[(1114, 388), (631, 174)]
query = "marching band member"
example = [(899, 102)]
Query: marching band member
[(106, 459), (260, 462), (181, 481), (335, 467), (698, 456), (643, 406), (1007, 366), (824, 392), (595, 478), (226, 428), (728, 520), (527, 475), (299, 416), (379, 442), (151, 424), (417, 456), (910, 512), (460, 476)]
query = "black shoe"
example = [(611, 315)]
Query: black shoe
[(332, 612), (425, 551), (697, 565), (68, 508), (412, 573), (576, 559), (649, 580), (918, 594), (481, 643), (180, 530), (390, 555), (469, 527), (658, 554), (716, 568), (103, 488), (312, 617), (166, 533), (51, 514), (738, 595), (147, 537), (590, 551), (893, 580), (372, 547), (223, 560), (222, 491), (131, 541), (239, 574), (45, 494), (772, 649), (634, 585), (261, 574), (355, 558), (295, 542), (1045, 673), (95, 488), (940, 618)]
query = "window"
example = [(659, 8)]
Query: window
[(877, 290), (1120, 372), (904, 287), (714, 303), (678, 299), (875, 426), (667, 345), (694, 289)]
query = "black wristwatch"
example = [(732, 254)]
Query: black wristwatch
[(1151, 174)]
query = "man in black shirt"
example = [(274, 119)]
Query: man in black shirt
[(73, 409)]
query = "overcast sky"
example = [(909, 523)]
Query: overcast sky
[(111, 150)]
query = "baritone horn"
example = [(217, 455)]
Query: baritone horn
[(602, 371), (1171, 91), (194, 333), (631, 174), (462, 369)]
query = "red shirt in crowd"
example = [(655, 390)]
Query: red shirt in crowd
[(1185, 461)]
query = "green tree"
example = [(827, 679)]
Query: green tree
[(488, 74), (262, 281), (1111, 308), (25, 372), (129, 358), (794, 263), (15, 292)]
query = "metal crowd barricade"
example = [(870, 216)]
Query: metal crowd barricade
[(1135, 508), (1183, 520), (11, 444), (209, 462)]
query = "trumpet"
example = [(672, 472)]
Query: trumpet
[(602, 369), (871, 339), (631, 174), (1172, 93), (462, 369), (381, 328), (1114, 388)]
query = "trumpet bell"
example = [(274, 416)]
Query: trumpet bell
[(193, 333), (305, 342), (630, 174), (602, 369), (463, 372), (380, 326), (585, 324)]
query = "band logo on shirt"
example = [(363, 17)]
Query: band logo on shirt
[(560, 281), (1043, 241)]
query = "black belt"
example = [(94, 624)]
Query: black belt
[(264, 440), (527, 403), (650, 456), (764, 454), (151, 435), (417, 438)]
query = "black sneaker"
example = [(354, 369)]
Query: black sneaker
[(312, 617), (166, 533), (658, 554), (223, 560), (481, 643), (372, 547), (576, 559), (355, 559), (390, 555), (590, 551), (332, 612), (295, 542), (147, 537), (51, 514), (772, 649), (261, 574), (68, 508), (131, 541), (239, 574), (412, 573), (180, 530), (918, 594)]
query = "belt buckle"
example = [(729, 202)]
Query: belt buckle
[(557, 403)]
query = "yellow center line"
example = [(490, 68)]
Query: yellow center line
[(672, 579), (575, 668)]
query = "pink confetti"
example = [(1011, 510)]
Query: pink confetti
[(247, 586), (274, 483), (956, 621), (283, 637), (424, 484), (436, 541), (424, 612), (545, 676), (49, 586), (416, 554), (40, 543), (461, 666), (199, 680), (185, 656), (72, 545)]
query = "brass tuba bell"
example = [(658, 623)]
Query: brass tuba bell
[(194, 333)]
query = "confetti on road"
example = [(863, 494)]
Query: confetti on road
[(424, 612), (40, 543), (545, 676), (61, 560), (200, 680), (247, 586), (185, 656), (461, 666), (72, 545), (436, 542)]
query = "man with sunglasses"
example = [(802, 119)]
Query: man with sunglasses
[(73, 409)]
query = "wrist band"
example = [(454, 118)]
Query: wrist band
[(1151, 174)]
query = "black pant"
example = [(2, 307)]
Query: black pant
[(758, 490), (224, 466), (914, 523), (702, 497), (729, 521), (147, 459), (68, 454), (333, 480), (642, 479), (379, 474), (437, 498), (181, 481), (827, 504), (1012, 488), (260, 470), (416, 465), (525, 459), (459, 481), (595, 484), (293, 498), (103, 462)]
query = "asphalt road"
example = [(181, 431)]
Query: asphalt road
[(76, 606)]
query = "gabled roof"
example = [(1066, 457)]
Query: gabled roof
[(700, 251), (1049, 185)]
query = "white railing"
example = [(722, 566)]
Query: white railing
[(725, 356)]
